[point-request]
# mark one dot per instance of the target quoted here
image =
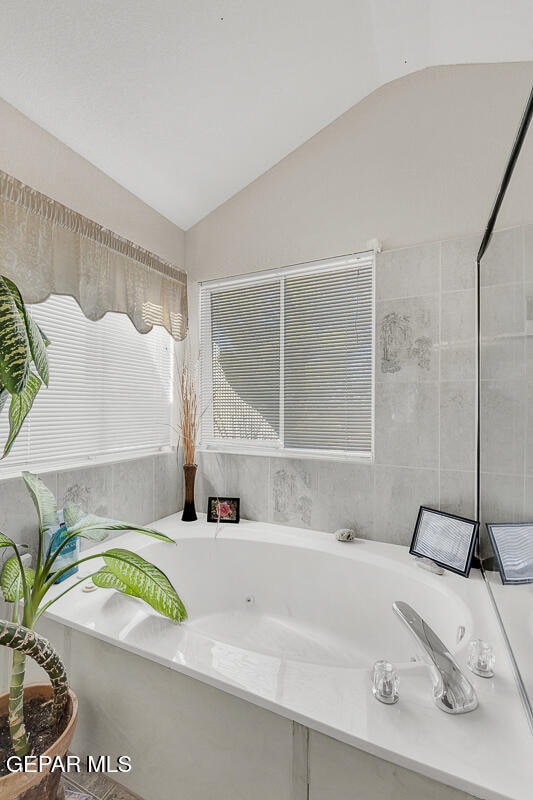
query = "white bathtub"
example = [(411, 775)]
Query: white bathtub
[(291, 621)]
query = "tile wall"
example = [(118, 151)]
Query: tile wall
[(138, 491), (507, 377), (425, 414)]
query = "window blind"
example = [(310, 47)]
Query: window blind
[(110, 390), (287, 358), (328, 361), (242, 337)]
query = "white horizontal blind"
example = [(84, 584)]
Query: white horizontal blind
[(110, 390), (287, 358), (328, 361), (242, 339)]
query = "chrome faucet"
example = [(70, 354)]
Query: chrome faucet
[(452, 691)]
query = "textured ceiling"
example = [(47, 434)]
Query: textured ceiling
[(185, 102)]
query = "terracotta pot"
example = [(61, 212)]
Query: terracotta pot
[(40, 785)]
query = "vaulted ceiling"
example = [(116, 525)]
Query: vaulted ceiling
[(185, 102)]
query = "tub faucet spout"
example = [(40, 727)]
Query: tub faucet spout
[(452, 691)]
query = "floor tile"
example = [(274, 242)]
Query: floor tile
[(73, 792), (117, 792), (92, 783)]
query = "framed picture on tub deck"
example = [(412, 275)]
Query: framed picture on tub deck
[(446, 539), (223, 509), (512, 543)]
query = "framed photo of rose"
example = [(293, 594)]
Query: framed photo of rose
[(223, 509)]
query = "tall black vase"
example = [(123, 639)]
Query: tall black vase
[(189, 511)]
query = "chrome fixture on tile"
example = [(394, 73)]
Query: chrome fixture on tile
[(481, 658), (385, 682), (429, 565), (452, 691)]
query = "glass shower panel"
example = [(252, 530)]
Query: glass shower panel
[(506, 400)]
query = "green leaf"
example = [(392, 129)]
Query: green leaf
[(14, 345), (4, 394), (146, 581), (105, 579), (76, 520), (35, 337), (5, 541), (19, 409), (72, 514), (43, 499), (10, 582)]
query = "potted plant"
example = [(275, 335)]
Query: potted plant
[(123, 570), (23, 371)]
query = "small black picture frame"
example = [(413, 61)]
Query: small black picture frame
[(216, 505), (512, 543), (446, 539)]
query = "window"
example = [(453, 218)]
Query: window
[(110, 390), (287, 359)]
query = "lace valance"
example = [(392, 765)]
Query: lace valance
[(46, 248)]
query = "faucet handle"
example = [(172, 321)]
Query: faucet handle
[(481, 658), (385, 682)]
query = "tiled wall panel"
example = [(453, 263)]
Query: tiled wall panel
[(424, 414)]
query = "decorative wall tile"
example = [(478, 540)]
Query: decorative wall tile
[(247, 477), (18, 517), (503, 426), (168, 485), (344, 497), (457, 425), (457, 336), (210, 478), (504, 359), (528, 499), (502, 498), (458, 263), (407, 424), (528, 460), (398, 494), (293, 488), (457, 493), (407, 337), (411, 271), (502, 261), (90, 487), (528, 252), (133, 490), (502, 311), (17, 512)]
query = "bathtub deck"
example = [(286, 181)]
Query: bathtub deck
[(329, 694)]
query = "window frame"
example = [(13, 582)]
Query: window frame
[(268, 447)]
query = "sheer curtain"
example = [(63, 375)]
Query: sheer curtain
[(46, 248)]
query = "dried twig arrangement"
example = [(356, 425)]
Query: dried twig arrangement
[(189, 418)]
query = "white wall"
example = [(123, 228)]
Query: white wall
[(419, 160), (37, 158)]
